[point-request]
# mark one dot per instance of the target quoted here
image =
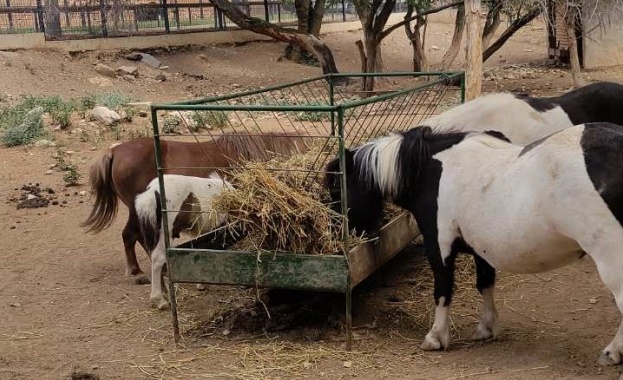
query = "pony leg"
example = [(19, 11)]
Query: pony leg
[(610, 273), (438, 337), (158, 260), (131, 234), (485, 282)]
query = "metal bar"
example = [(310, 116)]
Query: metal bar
[(165, 223), (379, 98), (349, 319), (266, 13), (343, 193), (228, 107), (246, 93), (103, 18), (463, 88), (165, 15)]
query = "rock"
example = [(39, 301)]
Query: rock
[(203, 57), (435, 47), (45, 142), (106, 71), (160, 77), (150, 60), (49, 172), (129, 78), (82, 193), (128, 70), (104, 115), (30, 196), (142, 113), (69, 152), (134, 56), (164, 67), (100, 81)]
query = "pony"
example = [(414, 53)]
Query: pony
[(524, 119), (513, 208), (189, 202), (125, 170)]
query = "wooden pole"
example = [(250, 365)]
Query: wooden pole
[(473, 59)]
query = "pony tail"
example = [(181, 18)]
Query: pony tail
[(149, 210)]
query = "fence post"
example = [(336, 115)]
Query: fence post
[(165, 15), (103, 18), (266, 15), (343, 11), (40, 16)]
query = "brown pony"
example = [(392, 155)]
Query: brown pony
[(124, 171)]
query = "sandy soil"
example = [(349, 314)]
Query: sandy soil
[(68, 311)]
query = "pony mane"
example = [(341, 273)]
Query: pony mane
[(393, 163), (263, 146)]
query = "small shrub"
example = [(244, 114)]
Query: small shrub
[(22, 127), (72, 176), (171, 124), (113, 100), (215, 119)]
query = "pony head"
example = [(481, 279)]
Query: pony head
[(365, 207)]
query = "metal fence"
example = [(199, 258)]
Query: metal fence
[(76, 19)]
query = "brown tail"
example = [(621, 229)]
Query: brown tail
[(104, 209)]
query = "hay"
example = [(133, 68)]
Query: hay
[(281, 205)]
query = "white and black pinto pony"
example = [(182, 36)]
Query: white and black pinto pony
[(513, 208), (189, 205), (524, 119)]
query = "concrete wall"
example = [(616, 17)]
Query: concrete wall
[(603, 41), (37, 40)]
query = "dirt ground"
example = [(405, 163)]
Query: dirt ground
[(68, 311)]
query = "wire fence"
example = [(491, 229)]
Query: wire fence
[(77, 19)]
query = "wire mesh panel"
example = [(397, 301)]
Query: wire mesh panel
[(312, 116)]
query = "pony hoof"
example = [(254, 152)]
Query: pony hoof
[(431, 344), (484, 333), (141, 280), (609, 359)]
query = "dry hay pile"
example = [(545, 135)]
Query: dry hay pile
[(281, 205)]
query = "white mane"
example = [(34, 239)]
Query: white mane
[(378, 161)]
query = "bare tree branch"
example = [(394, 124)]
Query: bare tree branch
[(387, 31), (512, 29)]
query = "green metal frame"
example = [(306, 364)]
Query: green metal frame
[(187, 263)]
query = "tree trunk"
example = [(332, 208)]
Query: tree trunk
[(373, 17), (420, 62), (473, 75), (574, 59), (304, 40), (492, 23), (508, 33), (308, 21), (455, 46)]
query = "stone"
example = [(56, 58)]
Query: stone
[(160, 77), (150, 60), (82, 193), (104, 115), (44, 142), (134, 56), (106, 71), (100, 81), (128, 70)]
